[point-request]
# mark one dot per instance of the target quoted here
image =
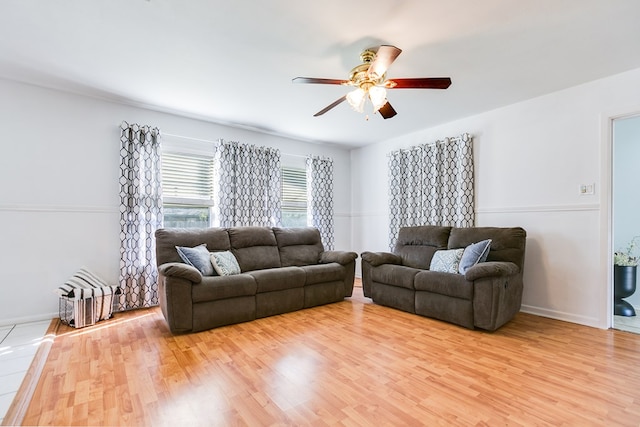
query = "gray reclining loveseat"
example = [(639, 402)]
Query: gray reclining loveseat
[(280, 270), (485, 294)]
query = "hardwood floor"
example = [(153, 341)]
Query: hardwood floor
[(352, 363)]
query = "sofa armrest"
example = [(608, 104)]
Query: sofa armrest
[(491, 269), (341, 257), (379, 258), (371, 260), (180, 270)]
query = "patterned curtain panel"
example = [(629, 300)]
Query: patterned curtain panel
[(431, 184), (140, 215), (248, 190), (320, 198)]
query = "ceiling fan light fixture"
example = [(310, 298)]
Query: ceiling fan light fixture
[(370, 82), (356, 99), (378, 97)]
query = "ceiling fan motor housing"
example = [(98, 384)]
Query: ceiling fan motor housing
[(359, 76)]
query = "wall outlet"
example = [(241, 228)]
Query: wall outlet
[(587, 189)]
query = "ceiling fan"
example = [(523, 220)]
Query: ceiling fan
[(370, 81)]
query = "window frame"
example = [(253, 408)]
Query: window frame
[(194, 202), (298, 164)]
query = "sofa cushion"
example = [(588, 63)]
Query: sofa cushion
[(224, 263), (298, 246), (197, 257), (446, 261), (216, 239), (453, 285), (507, 244), (416, 245), (323, 273), (255, 248), (214, 288), (394, 275), (473, 254), (278, 279)]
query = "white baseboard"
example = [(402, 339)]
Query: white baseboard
[(28, 319), (560, 315)]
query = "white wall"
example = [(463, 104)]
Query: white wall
[(530, 159), (59, 202), (59, 192), (626, 199)]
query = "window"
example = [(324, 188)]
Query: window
[(294, 197), (187, 190)]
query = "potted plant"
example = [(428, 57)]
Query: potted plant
[(625, 265)]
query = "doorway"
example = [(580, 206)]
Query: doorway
[(626, 205)]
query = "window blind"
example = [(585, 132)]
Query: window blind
[(187, 176), (294, 190)]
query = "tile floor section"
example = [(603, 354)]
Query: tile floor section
[(18, 346), (629, 324)]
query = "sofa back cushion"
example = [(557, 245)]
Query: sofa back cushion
[(298, 246), (507, 243), (216, 239), (255, 248), (416, 245)]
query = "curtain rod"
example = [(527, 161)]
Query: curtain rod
[(294, 155), (213, 142), (463, 137), (187, 137)]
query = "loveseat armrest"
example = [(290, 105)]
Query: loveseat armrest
[(180, 270), (379, 258), (341, 257), (491, 269)]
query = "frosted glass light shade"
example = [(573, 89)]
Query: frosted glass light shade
[(356, 99), (378, 96)]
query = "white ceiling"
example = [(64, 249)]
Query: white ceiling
[(232, 61)]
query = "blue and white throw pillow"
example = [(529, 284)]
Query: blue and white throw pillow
[(474, 254), (198, 257), (225, 263), (446, 261)]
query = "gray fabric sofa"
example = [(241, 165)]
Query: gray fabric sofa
[(282, 270), (486, 296)]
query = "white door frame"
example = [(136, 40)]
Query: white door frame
[(606, 202)]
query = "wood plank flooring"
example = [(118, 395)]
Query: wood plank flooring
[(353, 363)]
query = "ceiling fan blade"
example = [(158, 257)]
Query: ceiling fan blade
[(419, 83), (383, 59), (320, 81), (330, 106), (387, 111)]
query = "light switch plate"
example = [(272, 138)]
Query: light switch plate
[(587, 189)]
